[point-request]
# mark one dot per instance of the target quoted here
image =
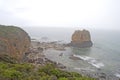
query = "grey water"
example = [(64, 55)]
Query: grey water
[(105, 49)]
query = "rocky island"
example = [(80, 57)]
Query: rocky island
[(81, 39)]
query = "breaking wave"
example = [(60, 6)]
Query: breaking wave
[(90, 60)]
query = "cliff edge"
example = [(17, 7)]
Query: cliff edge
[(14, 42), (81, 39)]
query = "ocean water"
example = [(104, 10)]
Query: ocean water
[(104, 54)]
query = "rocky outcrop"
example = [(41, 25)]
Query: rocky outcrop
[(81, 38), (14, 41)]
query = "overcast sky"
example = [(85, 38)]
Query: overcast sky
[(61, 13)]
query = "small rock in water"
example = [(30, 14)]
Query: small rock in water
[(61, 54)]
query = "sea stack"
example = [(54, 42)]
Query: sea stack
[(81, 39)]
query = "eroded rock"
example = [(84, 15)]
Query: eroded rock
[(14, 41), (81, 38)]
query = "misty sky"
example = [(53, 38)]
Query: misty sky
[(61, 13)]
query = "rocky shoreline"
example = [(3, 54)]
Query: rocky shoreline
[(37, 57), (36, 53)]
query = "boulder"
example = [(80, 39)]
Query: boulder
[(14, 42), (81, 39)]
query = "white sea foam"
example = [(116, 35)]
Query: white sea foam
[(82, 57), (117, 75), (83, 69), (97, 65), (91, 61)]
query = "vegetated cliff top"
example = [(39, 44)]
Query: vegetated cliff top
[(14, 41)]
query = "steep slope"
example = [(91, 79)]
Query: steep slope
[(14, 41), (81, 38)]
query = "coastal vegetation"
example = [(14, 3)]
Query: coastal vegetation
[(11, 70)]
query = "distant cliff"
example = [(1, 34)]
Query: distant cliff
[(81, 38), (14, 41)]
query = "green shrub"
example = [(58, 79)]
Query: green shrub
[(3, 65), (23, 67), (63, 78), (28, 71), (11, 74)]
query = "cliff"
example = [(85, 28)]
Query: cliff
[(81, 38), (14, 42)]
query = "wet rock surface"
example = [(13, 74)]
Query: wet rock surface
[(36, 54)]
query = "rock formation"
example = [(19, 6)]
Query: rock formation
[(81, 39), (14, 41)]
